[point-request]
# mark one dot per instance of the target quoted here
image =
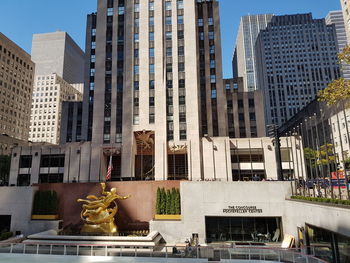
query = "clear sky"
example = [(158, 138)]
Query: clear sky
[(21, 18)]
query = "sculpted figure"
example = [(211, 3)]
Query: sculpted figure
[(97, 214)]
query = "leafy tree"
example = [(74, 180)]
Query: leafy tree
[(159, 202), (325, 155), (338, 89), (310, 156)]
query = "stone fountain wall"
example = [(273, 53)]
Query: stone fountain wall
[(133, 214)]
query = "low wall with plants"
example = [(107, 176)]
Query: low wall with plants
[(168, 202), (45, 203), (322, 200)]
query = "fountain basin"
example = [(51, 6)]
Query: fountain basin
[(51, 236)]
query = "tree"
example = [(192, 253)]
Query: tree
[(310, 156), (338, 89), (163, 202), (173, 200), (158, 202), (168, 202), (177, 203), (325, 155)]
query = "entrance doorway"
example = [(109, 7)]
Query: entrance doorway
[(5, 223), (252, 229)]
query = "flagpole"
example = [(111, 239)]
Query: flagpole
[(109, 169)]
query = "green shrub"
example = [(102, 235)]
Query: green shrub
[(177, 202), (322, 200), (158, 202), (45, 203), (6, 235), (173, 201), (168, 202), (163, 202)]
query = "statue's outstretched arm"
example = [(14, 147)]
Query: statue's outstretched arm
[(93, 197), (122, 197)]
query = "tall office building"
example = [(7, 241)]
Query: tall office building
[(337, 18), (57, 52), (345, 4), (16, 86), (245, 110), (243, 58), (161, 79), (59, 77), (296, 57), (50, 91)]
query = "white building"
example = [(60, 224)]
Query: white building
[(346, 13), (337, 18), (49, 93), (224, 159)]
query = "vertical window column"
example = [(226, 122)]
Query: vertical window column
[(108, 75), (151, 62), (120, 71), (92, 78), (136, 115), (181, 71), (169, 68)]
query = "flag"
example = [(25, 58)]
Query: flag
[(109, 170)]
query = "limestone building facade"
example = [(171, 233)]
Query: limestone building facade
[(346, 13), (50, 91), (159, 81), (16, 86)]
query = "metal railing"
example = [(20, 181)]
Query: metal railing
[(199, 252)]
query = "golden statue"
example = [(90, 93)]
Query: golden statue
[(97, 215)]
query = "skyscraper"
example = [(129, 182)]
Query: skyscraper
[(296, 57), (336, 18), (57, 52), (161, 79), (60, 68), (346, 16), (50, 91), (16, 87), (243, 58)]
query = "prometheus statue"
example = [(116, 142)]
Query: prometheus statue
[(97, 214)]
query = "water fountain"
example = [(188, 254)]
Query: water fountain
[(98, 214)]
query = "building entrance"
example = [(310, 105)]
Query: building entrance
[(5, 223), (253, 229)]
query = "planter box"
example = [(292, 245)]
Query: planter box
[(167, 217), (44, 217)]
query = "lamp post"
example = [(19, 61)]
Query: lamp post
[(272, 131)]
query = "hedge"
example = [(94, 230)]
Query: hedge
[(322, 200), (6, 235), (168, 202), (45, 203)]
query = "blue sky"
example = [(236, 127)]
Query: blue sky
[(21, 18)]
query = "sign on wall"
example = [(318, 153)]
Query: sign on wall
[(242, 210)]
